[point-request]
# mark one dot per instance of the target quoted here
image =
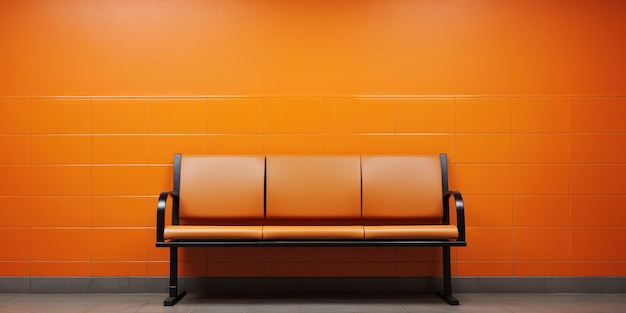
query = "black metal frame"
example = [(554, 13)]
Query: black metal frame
[(446, 294)]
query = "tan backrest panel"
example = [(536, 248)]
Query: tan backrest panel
[(401, 187), (222, 187), (313, 187)]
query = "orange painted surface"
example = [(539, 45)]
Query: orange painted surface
[(364, 144), (160, 178), (127, 240), (20, 181), (177, 117), (20, 112), (121, 268), (599, 148), (551, 249), (61, 149), (119, 116), (539, 115), (425, 144), (18, 239), (484, 179), (597, 115), (540, 148), (421, 268), (235, 144), (598, 211), (16, 211), (424, 115), (599, 268), (489, 244), (60, 212), (234, 269), (598, 179), (96, 97), (61, 180), (106, 212), (296, 143), (539, 268), (105, 149), (483, 115), (60, 244), (67, 116), (485, 268), (540, 179), (364, 116), (119, 180), (500, 193), (494, 148), (161, 148), (48, 268), (538, 211), (312, 47), (235, 116), (489, 211), (15, 269), (236, 254), (16, 149), (591, 244), (294, 116), (409, 254)]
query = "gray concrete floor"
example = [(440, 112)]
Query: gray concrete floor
[(470, 302)]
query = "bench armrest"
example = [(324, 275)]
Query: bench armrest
[(161, 205), (460, 211)]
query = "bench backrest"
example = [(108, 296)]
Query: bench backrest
[(402, 187), (316, 187), (222, 187), (313, 187)]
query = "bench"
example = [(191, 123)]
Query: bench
[(309, 201)]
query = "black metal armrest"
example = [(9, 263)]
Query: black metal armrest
[(460, 211), (161, 205)]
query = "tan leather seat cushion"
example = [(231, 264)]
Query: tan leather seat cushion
[(176, 232), (313, 187), (222, 187), (349, 232), (402, 187), (411, 232)]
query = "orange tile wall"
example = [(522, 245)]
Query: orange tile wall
[(527, 99)]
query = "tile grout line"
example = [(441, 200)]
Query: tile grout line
[(30, 198), (569, 183), (91, 189), (512, 187)]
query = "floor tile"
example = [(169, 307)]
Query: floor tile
[(198, 303)]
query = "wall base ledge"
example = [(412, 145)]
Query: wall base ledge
[(313, 285)]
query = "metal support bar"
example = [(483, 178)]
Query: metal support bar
[(446, 295), (174, 295)]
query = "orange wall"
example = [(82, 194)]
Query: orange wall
[(526, 97), (312, 47)]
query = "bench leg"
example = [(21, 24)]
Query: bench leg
[(174, 295), (446, 295)]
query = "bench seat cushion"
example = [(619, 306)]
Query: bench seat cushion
[(176, 232), (351, 232), (449, 232)]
